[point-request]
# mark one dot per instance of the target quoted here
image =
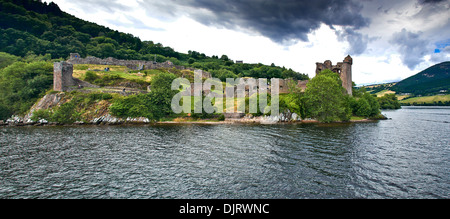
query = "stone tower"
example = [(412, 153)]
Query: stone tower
[(346, 74), (62, 76), (344, 69)]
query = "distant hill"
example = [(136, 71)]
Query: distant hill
[(428, 82)]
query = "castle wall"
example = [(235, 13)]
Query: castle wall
[(344, 69), (63, 80)]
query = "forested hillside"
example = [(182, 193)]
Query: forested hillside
[(430, 81), (33, 27)]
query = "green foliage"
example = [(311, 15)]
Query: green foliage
[(199, 105), (133, 106), (366, 105), (100, 96), (65, 114), (23, 83), (112, 79), (363, 108), (42, 114), (294, 102), (221, 117), (325, 99), (252, 98), (162, 93), (389, 101), (223, 74), (358, 92), (373, 103), (162, 82), (7, 59), (154, 105), (5, 113), (91, 76)]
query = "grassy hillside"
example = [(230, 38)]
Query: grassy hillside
[(428, 82), (428, 87), (428, 100)]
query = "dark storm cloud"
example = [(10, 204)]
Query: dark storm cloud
[(430, 1), (357, 41), (412, 47), (280, 20)]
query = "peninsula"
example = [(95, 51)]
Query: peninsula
[(72, 71)]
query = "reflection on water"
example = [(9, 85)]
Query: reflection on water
[(406, 157)]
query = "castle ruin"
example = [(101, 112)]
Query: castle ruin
[(344, 69), (64, 81)]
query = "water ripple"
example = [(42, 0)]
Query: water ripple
[(399, 158)]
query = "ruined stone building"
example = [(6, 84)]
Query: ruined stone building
[(63, 79), (344, 69)]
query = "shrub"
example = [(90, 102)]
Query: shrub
[(4, 112), (65, 114), (100, 96), (41, 114), (91, 76), (135, 106)]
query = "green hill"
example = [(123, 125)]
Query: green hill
[(32, 27), (428, 82)]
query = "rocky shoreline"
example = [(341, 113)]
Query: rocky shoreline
[(109, 120)]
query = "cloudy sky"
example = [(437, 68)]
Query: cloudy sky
[(389, 40)]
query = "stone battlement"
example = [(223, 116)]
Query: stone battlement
[(344, 69)]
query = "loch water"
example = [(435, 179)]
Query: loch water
[(407, 156)]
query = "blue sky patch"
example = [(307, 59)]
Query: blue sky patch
[(441, 45)]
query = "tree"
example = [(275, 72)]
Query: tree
[(224, 58), (363, 108), (22, 84), (4, 112), (162, 93), (373, 103), (389, 101), (325, 98), (7, 59), (223, 74)]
